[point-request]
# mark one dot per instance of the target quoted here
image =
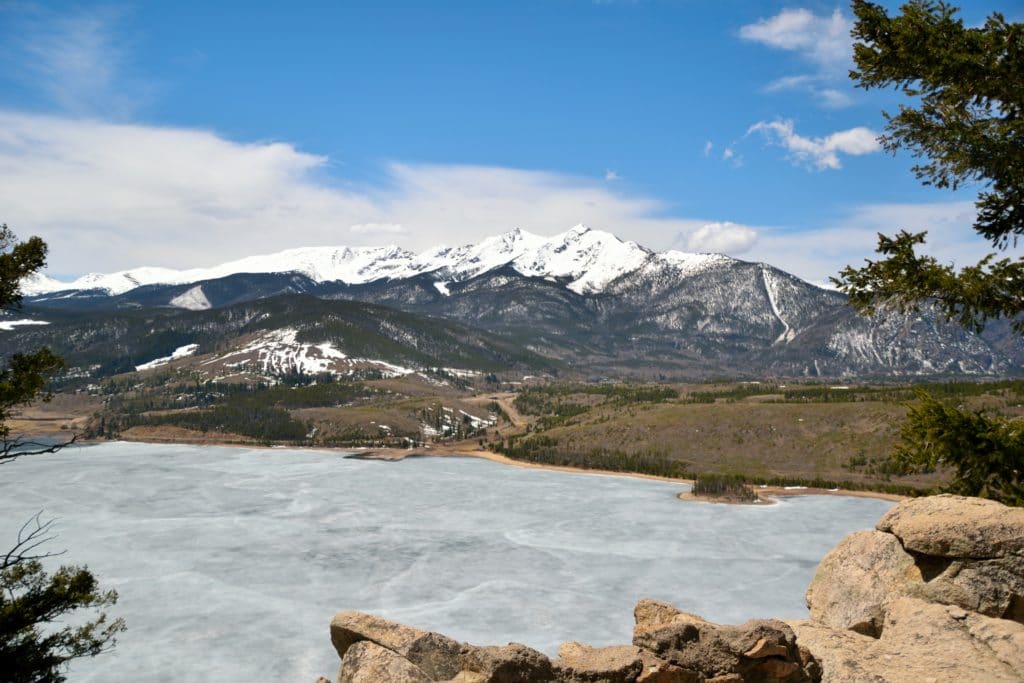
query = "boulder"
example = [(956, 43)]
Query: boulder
[(649, 612), (993, 587), (920, 641), (921, 550), (857, 579), (956, 527), (435, 654), (579, 663), (512, 663), (658, 670), (468, 677), (366, 662), (758, 650)]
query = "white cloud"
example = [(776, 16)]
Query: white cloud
[(112, 196), (109, 196), (831, 98), (828, 97), (816, 255), (77, 60), (724, 238), (823, 40), (823, 152), (728, 153), (377, 229), (789, 83), (708, 146), (611, 176)]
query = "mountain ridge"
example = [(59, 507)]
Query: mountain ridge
[(599, 305), (589, 258)]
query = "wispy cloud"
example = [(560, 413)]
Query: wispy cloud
[(822, 152), (131, 195), (821, 40), (852, 236), (77, 60), (611, 176), (378, 229), (725, 237)]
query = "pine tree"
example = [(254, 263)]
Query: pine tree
[(35, 644), (967, 128)]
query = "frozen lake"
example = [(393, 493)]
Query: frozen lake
[(230, 562)]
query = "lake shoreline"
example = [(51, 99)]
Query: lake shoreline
[(767, 495)]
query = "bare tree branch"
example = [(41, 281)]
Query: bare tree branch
[(32, 534), (12, 449)]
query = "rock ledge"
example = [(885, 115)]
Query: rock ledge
[(934, 593)]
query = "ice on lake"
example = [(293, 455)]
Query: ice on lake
[(230, 562)]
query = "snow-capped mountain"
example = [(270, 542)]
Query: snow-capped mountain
[(585, 259), (353, 265), (584, 298), (449, 264), (590, 259)]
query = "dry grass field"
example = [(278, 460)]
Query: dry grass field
[(792, 433)]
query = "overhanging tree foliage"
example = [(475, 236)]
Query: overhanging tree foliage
[(967, 128), (24, 377), (985, 451), (35, 640)]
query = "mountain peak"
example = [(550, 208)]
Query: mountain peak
[(588, 259)]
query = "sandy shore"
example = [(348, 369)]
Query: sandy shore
[(767, 494)]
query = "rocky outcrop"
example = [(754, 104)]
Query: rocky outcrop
[(669, 646), (920, 641), (761, 650), (935, 592), (366, 662), (435, 654), (945, 549)]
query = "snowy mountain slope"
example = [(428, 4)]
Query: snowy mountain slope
[(279, 352), (590, 259), (587, 259), (271, 337), (349, 264), (470, 260), (588, 299)]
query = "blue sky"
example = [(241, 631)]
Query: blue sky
[(189, 133)]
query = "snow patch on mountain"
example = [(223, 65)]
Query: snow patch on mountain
[(687, 264), (470, 260), (590, 259), (279, 352), (192, 300), (6, 325), (772, 290), (354, 265), (180, 352)]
